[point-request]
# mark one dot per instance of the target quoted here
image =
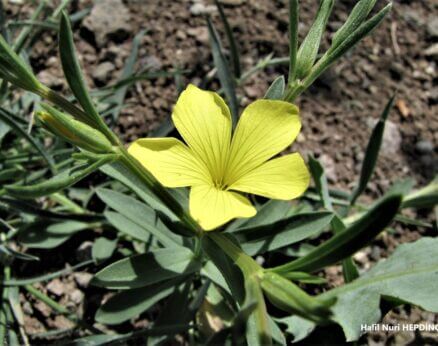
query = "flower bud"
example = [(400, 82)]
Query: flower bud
[(73, 131)]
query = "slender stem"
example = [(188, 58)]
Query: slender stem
[(248, 266), (293, 39), (59, 308)]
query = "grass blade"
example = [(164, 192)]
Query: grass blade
[(223, 70)]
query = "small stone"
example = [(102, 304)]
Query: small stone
[(153, 63), (76, 296), (329, 167), (82, 279), (109, 20), (102, 73), (56, 287), (200, 34), (432, 27), (392, 140), (199, 8), (424, 147), (47, 78), (432, 51)]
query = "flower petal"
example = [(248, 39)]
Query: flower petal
[(204, 121), (284, 178), (212, 207), (170, 161), (265, 128)]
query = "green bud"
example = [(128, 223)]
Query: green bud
[(73, 131), (14, 70)]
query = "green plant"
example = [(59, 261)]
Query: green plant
[(171, 254)]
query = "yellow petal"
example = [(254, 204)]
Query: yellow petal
[(265, 128), (285, 178), (212, 207), (170, 161), (204, 121)]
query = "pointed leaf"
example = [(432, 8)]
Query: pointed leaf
[(146, 269), (276, 90)]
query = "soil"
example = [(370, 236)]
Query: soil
[(337, 112)]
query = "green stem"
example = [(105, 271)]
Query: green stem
[(59, 308), (248, 266)]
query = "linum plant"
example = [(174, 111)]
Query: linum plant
[(199, 247)]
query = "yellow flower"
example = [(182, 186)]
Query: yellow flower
[(216, 164)]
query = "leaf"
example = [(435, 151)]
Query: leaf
[(8, 119), (308, 51), (128, 304), (297, 326), (409, 274), (59, 182), (103, 248), (270, 212), (140, 214), (335, 52), (119, 172), (117, 98), (427, 197), (73, 73), (256, 240), (147, 269), (276, 90), (347, 242), (223, 70), (228, 270), (320, 180), (126, 226), (359, 13), (372, 152), (44, 235), (293, 39), (231, 41)]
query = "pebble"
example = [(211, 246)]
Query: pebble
[(391, 142), (82, 279), (102, 73), (199, 8), (109, 19), (432, 27), (200, 34), (424, 147), (329, 167), (56, 287), (432, 51)]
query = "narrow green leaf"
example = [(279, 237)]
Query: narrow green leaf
[(427, 197), (276, 90), (72, 71), (223, 70), (359, 13), (293, 39), (147, 269), (140, 214), (59, 182), (128, 227), (372, 152), (347, 242), (103, 248), (309, 48), (128, 304), (44, 235), (234, 52), (117, 98), (320, 181), (282, 233), (335, 52), (8, 119)]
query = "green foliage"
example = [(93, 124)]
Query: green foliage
[(147, 248)]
